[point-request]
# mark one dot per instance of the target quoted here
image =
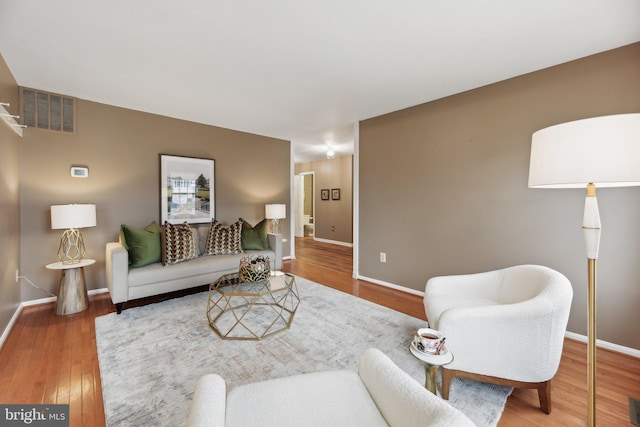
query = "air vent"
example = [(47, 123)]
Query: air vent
[(47, 110)]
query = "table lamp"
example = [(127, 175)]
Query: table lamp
[(595, 152), (71, 218), (275, 213)]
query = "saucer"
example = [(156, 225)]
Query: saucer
[(443, 352), (431, 359)]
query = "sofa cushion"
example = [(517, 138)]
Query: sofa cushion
[(143, 245), (224, 239), (337, 398), (201, 266), (178, 243), (254, 237)]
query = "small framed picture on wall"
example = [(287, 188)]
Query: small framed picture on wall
[(324, 194), (335, 194)]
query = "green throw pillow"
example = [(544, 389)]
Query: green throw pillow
[(255, 237), (143, 245)]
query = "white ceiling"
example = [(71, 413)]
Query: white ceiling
[(299, 70)]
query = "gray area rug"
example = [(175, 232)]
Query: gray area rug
[(152, 356)]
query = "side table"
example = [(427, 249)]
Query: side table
[(72, 296), (431, 364)]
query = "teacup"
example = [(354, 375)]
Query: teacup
[(429, 339)]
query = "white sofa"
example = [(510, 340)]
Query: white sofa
[(126, 284), (505, 326), (379, 394)]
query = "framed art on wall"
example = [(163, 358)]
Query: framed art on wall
[(187, 189), (335, 194), (324, 194)]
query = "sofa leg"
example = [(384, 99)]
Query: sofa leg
[(119, 308)]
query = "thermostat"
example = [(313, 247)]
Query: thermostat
[(79, 171)]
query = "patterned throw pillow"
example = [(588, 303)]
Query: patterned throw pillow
[(178, 243), (223, 239)]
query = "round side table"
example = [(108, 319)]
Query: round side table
[(72, 296), (431, 364)]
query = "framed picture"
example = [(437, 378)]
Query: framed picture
[(335, 194), (187, 189), (324, 194)]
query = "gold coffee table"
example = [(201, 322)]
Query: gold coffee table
[(251, 311)]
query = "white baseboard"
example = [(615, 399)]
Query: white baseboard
[(52, 299), (333, 242), (605, 344), (13, 320), (390, 285), (571, 335), (38, 301)]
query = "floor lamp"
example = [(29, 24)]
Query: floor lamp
[(596, 152)]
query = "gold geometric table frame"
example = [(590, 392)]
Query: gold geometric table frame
[(232, 304)]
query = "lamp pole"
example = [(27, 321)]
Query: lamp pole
[(591, 227)]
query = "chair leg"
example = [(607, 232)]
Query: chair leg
[(447, 376), (544, 394)]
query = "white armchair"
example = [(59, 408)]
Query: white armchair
[(379, 394), (505, 326)]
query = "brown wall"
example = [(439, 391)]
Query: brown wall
[(9, 205), (443, 189), (333, 218), (308, 193), (121, 147)]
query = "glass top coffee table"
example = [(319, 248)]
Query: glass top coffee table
[(239, 310)]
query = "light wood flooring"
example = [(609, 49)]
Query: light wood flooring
[(52, 359)]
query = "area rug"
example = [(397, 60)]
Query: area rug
[(151, 357)]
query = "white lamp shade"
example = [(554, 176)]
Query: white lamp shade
[(603, 150), (73, 216), (275, 211)]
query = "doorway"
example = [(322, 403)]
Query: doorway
[(305, 205)]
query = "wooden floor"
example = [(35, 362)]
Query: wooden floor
[(52, 359)]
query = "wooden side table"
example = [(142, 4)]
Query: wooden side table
[(72, 296)]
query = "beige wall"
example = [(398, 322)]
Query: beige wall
[(308, 194), (333, 218), (443, 189), (9, 205), (121, 148)]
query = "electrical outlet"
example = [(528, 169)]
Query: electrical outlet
[(17, 274), (383, 257)]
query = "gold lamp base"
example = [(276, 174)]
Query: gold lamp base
[(71, 249)]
